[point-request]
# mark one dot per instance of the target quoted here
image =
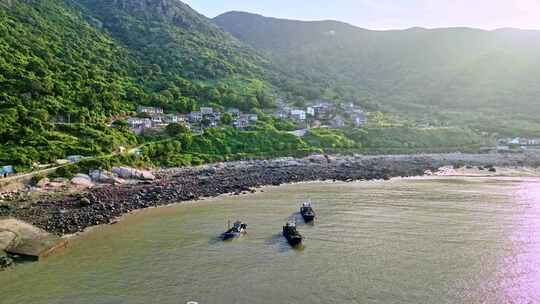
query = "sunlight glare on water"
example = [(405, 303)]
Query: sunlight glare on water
[(521, 270)]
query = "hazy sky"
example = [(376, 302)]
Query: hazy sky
[(387, 14)]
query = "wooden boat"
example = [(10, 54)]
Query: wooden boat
[(307, 212), (239, 228), (291, 234)]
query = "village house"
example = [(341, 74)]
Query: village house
[(212, 120), (530, 142), (358, 118), (518, 143), (208, 123), (156, 120), (349, 106), (173, 118), (283, 112), (337, 122), (195, 117), (241, 122), (310, 111), (139, 122), (322, 110), (137, 125), (297, 115), (150, 110), (206, 111)]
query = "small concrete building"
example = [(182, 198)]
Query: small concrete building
[(206, 111), (156, 119), (241, 122), (298, 115), (195, 117), (358, 119), (337, 122), (149, 110), (172, 118), (137, 125)]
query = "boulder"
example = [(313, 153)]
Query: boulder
[(5, 261), (58, 182), (84, 202), (7, 238), (44, 182), (317, 158), (130, 173), (104, 177), (82, 180)]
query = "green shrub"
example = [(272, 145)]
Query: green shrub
[(36, 178)]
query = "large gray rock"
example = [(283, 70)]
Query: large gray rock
[(82, 180), (317, 158), (104, 177), (58, 182), (7, 238), (44, 182), (130, 173)]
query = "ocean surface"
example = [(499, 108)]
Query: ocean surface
[(424, 240)]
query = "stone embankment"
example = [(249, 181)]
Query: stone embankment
[(74, 212)]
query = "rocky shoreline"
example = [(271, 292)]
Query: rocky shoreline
[(76, 211)]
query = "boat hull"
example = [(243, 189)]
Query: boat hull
[(230, 235), (294, 241), (308, 217)]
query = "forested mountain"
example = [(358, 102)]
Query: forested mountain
[(90, 60), (68, 68), (54, 65), (458, 75)]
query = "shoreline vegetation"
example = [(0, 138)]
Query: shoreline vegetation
[(73, 212)]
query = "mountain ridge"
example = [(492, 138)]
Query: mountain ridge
[(419, 27), (447, 71)]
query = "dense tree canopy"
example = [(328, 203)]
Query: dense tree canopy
[(87, 62), (456, 76)]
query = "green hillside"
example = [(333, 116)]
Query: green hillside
[(54, 67), (85, 62), (68, 68), (486, 79)]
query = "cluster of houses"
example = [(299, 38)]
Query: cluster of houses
[(324, 113), (519, 143), (317, 114), (196, 121)]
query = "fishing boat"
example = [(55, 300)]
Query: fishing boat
[(239, 228), (291, 234), (307, 212)]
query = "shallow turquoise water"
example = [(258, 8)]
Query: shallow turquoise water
[(441, 240)]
